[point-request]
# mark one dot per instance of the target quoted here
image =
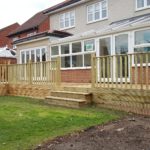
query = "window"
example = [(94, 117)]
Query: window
[(67, 20), (121, 44), (77, 61), (105, 46), (142, 4), (65, 62), (76, 54), (97, 11), (35, 55), (65, 49), (76, 47), (89, 45), (142, 41), (87, 60), (32, 55), (142, 37), (54, 50), (22, 57)]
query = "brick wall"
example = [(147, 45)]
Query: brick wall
[(44, 26), (76, 76)]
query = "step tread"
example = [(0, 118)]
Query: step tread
[(70, 92), (66, 99)]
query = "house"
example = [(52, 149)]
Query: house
[(4, 40), (104, 27), (34, 34)]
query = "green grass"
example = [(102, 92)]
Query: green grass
[(25, 122)]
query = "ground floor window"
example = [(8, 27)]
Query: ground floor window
[(75, 54), (35, 55)]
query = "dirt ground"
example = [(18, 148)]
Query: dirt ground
[(130, 133)]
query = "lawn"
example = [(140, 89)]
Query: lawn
[(26, 122)]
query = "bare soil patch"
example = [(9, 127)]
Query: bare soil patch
[(130, 133)]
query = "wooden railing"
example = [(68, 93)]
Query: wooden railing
[(32, 73), (3, 74), (131, 71)]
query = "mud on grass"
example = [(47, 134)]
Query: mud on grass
[(130, 133)]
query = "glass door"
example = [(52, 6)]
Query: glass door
[(121, 61), (104, 62)]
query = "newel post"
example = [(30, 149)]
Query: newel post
[(30, 71), (58, 71), (93, 71)]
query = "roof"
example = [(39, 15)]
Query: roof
[(4, 52), (61, 5), (55, 33), (118, 26), (4, 33), (30, 24)]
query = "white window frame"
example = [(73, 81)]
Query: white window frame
[(141, 8), (139, 45), (29, 50), (75, 54), (70, 26), (100, 19)]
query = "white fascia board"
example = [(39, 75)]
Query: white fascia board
[(44, 38)]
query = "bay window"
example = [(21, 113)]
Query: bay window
[(97, 11)]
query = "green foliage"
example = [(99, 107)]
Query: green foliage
[(26, 122)]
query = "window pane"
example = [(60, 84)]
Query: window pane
[(77, 61), (121, 44), (65, 49), (90, 13), (22, 57), (105, 47), (142, 37), (97, 11), (142, 49), (43, 54), (87, 60), (90, 17), (32, 56), (148, 2), (65, 62), (27, 56), (89, 45), (76, 47), (140, 3), (54, 50), (104, 9), (38, 55)]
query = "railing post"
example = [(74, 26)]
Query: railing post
[(8, 72), (93, 71), (58, 71), (30, 72)]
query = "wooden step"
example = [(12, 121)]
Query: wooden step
[(66, 102), (72, 95), (76, 89)]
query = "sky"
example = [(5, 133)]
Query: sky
[(12, 11)]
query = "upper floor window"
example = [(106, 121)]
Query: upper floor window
[(142, 4), (67, 20), (97, 11)]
